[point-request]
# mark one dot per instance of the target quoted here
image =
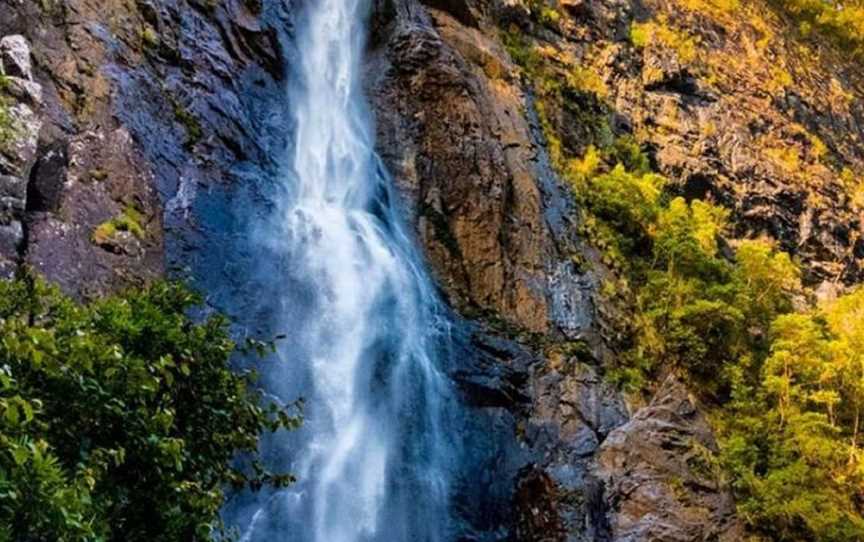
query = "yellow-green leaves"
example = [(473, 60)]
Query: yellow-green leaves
[(792, 441), (130, 220), (660, 32), (842, 22), (768, 278)]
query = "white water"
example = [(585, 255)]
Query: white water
[(373, 456)]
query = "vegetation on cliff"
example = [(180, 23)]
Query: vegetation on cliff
[(843, 22), (791, 429), (784, 388), (6, 127), (119, 419)]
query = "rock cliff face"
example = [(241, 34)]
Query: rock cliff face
[(131, 107), (456, 126), (660, 480), (145, 136), (731, 108)]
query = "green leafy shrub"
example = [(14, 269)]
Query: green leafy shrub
[(129, 221), (627, 202), (119, 419)]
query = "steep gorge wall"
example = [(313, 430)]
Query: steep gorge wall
[(457, 127), (170, 114), (733, 109)]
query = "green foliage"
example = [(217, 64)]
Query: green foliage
[(791, 434), (149, 37), (662, 33), (544, 14), (129, 221), (785, 390), (688, 317), (586, 80), (522, 52), (625, 150), (640, 35), (550, 17), (626, 203), (6, 124), (841, 22), (765, 277), (119, 419), (853, 185)]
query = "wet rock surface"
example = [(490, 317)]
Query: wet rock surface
[(173, 112), (498, 231), (451, 129), (132, 106)]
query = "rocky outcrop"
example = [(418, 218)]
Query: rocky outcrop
[(20, 99), (142, 103), (452, 128), (86, 212), (15, 56), (661, 478), (572, 412), (734, 108)]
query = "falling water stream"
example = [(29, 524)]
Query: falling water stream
[(374, 456)]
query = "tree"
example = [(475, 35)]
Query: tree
[(767, 278), (790, 439), (845, 319), (119, 419)]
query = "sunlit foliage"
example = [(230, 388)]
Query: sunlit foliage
[(843, 22), (791, 433)]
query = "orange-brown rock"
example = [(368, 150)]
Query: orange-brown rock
[(452, 127)]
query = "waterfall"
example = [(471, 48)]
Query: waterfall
[(367, 333)]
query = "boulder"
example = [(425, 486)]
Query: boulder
[(15, 57), (661, 477)]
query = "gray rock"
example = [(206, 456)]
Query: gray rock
[(661, 478), (13, 193), (28, 92), (122, 243), (571, 300), (8, 268), (11, 241), (15, 57), (18, 153), (11, 236)]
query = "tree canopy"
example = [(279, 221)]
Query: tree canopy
[(119, 419)]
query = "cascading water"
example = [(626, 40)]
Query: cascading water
[(366, 329)]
